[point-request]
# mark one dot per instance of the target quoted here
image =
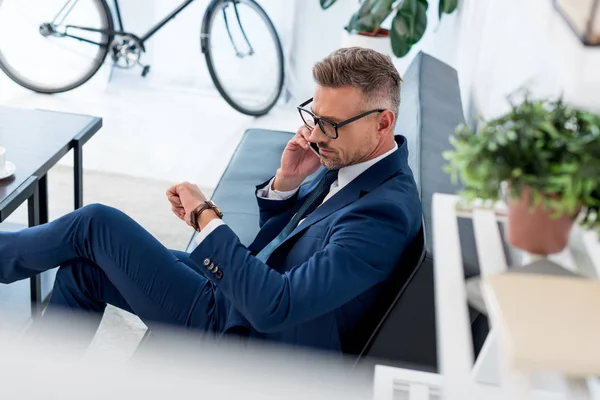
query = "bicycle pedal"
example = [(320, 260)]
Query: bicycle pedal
[(145, 71)]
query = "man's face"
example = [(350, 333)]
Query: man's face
[(357, 140)]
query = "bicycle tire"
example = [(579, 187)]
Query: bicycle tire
[(89, 75), (213, 7)]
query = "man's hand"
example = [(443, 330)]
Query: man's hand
[(297, 162), (184, 199)]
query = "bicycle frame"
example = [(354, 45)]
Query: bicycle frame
[(121, 30), (210, 9)]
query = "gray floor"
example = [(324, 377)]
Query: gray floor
[(142, 199)]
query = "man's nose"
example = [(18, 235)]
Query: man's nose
[(317, 135)]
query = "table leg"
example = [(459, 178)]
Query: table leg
[(78, 167), (34, 212), (43, 199)]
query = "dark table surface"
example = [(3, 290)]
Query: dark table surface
[(35, 140)]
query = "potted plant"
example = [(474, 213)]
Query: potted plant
[(407, 25), (548, 154)]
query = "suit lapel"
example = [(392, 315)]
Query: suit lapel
[(364, 183)]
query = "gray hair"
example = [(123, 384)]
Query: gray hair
[(365, 69)]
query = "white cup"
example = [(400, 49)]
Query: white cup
[(2, 160)]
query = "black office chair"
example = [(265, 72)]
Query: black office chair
[(399, 330)]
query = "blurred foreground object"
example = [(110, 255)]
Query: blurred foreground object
[(546, 331), (47, 362), (528, 315)]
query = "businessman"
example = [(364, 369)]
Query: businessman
[(318, 261)]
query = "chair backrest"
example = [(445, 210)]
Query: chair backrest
[(406, 336), (367, 339)]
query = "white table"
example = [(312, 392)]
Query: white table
[(488, 377)]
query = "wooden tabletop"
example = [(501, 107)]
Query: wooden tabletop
[(36, 139)]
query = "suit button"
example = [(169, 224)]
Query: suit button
[(219, 274), (206, 262), (212, 268)]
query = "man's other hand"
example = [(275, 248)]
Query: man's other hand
[(185, 198), (297, 162)]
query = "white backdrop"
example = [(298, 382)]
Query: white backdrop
[(496, 46), (307, 32), (319, 32), (521, 43), (174, 52)]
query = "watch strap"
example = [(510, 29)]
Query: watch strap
[(195, 215)]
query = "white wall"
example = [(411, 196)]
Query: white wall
[(320, 32), (502, 45), (526, 42), (308, 34), (174, 52), (496, 46)]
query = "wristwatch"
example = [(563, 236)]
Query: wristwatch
[(195, 215)]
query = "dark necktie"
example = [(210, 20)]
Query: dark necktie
[(315, 198)]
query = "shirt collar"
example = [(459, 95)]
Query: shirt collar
[(349, 173)]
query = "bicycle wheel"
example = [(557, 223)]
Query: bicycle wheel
[(243, 54), (51, 46)]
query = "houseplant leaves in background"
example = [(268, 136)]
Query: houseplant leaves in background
[(408, 26), (370, 16), (446, 6), (325, 4)]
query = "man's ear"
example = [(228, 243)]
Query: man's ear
[(385, 122)]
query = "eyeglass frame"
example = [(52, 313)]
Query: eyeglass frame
[(335, 125)]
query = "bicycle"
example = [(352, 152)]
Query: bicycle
[(42, 54)]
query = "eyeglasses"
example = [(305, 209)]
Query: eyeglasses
[(329, 128)]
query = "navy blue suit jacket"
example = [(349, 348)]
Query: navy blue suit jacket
[(320, 281)]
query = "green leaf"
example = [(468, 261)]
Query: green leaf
[(370, 15), (550, 129), (408, 26), (325, 4), (448, 155), (545, 145), (447, 6)]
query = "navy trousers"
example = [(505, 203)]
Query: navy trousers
[(106, 257)]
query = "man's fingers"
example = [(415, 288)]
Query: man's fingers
[(179, 212), (304, 143), (176, 208), (174, 199), (172, 195), (172, 191), (303, 131), (175, 189), (302, 136), (185, 194), (299, 141)]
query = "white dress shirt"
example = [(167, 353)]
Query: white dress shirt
[(345, 176)]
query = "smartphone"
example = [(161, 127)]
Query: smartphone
[(315, 148)]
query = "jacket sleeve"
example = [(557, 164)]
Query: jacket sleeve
[(362, 250), (269, 208)]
